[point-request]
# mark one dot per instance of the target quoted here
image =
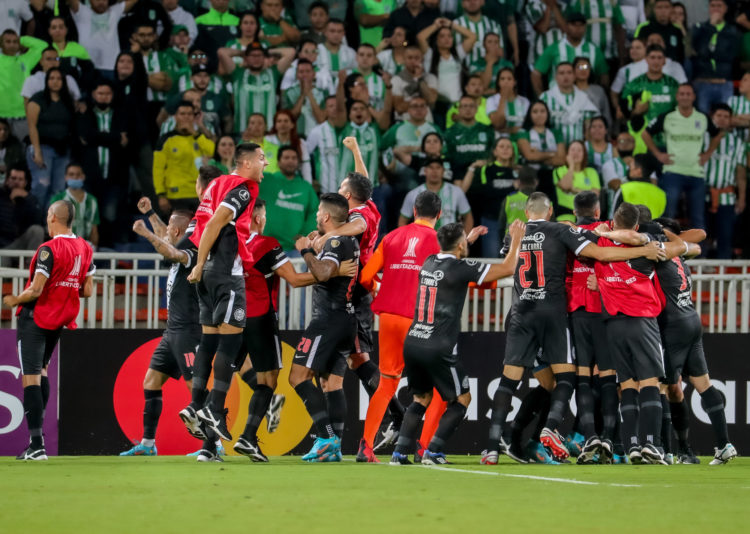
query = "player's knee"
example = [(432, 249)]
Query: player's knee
[(464, 399), (299, 374), (700, 383), (356, 359), (423, 399), (153, 380), (674, 393), (269, 378)]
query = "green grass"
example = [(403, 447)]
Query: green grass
[(175, 494)]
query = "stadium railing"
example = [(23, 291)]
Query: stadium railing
[(130, 292)]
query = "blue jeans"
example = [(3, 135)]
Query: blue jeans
[(724, 221), (708, 94), (490, 241), (695, 195), (50, 179)]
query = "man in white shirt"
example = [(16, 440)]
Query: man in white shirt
[(13, 13), (180, 17), (97, 30), (35, 82)]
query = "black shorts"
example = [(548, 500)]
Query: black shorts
[(175, 354), (545, 329), (590, 340), (363, 312), (221, 299), (34, 344), (425, 369), (683, 349), (325, 343), (636, 348), (261, 342)]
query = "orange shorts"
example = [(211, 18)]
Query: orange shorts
[(393, 330)]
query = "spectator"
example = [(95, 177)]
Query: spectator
[(376, 84), (14, 14), (73, 59), (478, 24), (547, 25), (614, 172), (598, 147), (35, 82), (159, 66), (652, 93), (514, 205), (20, 213), (16, 67), (11, 150), (455, 207), (392, 51), (507, 109), (571, 179), (216, 28), (605, 26), (684, 157), (224, 156), (356, 90), (323, 144), (716, 44), (740, 106), (541, 146), (314, 14), (660, 23), (638, 189), (637, 53), (431, 148), (305, 101), (475, 89), (411, 82), (574, 45), (489, 64), (275, 29), (253, 84), (150, 12), (445, 60), (256, 133), (323, 78), (97, 30), (490, 188), (413, 16), (102, 131), (86, 220), (206, 123), (634, 14), (360, 127), (596, 93), (249, 30), (284, 133), (50, 115), (180, 17), (197, 58), (334, 54), (213, 97), (726, 178), (468, 140), (177, 158), (678, 17), (179, 46), (569, 107), (291, 202), (372, 16)]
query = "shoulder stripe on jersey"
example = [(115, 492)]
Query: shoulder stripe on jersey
[(582, 246), (280, 263), (42, 272), (227, 205), (484, 274)]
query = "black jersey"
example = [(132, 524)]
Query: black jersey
[(335, 294), (224, 257), (182, 299), (677, 287), (443, 281), (540, 275)]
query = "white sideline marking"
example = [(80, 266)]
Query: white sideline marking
[(531, 477)]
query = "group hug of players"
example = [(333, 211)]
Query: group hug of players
[(607, 300)]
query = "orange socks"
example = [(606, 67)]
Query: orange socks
[(378, 405), (432, 418)]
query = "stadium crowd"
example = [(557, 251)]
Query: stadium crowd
[(104, 102)]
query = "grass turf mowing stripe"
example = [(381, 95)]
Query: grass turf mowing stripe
[(530, 477)]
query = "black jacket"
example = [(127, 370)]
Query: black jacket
[(17, 215)]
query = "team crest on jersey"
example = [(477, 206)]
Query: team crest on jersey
[(335, 243), (411, 249), (697, 125), (239, 314), (44, 255), (438, 275), (575, 230), (471, 262), (244, 195), (483, 137)]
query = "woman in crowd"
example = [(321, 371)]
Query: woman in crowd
[(248, 29), (74, 58), (432, 147), (489, 65), (391, 51), (572, 178), (597, 94), (50, 114), (540, 145), (284, 132), (355, 88), (224, 155), (507, 109), (598, 146)]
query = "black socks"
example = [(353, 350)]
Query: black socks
[(408, 434), (257, 409), (315, 403), (151, 412), (449, 422), (33, 405), (501, 405)]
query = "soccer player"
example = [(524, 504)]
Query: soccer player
[(61, 272), (431, 345), (539, 315), (261, 334), (222, 229), (330, 334), (682, 339)]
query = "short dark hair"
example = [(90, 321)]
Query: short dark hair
[(585, 203), (286, 148), (102, 81), (365, 45), (670, 224), (627, 215), (450, 235), (336, 205), (527, 177), (644, 214), (187, 215), (244, 150), (562, 64), (183, 104), (51, 48), (428, 205), (73, 164), (304, 61), (304, 41), (645, 162), (334, 20), (9, 32), (360, 186), (71, 209), (321, 5), (655, 48), (720, 106), (207, 173), (259, 203)]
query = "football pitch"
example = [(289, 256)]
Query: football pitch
[(177, 494)]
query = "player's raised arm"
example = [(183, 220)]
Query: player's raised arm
[(508, 267), (359, 163), (144, 206), (161, 246)]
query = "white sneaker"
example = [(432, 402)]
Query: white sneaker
[(273, 415), (388, 437), (724, 455)]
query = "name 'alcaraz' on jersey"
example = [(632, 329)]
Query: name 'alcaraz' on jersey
[(238, 194), (335, 294), (540, 275), (675, 287), (443, 281), (261, 280), (182, 298)]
